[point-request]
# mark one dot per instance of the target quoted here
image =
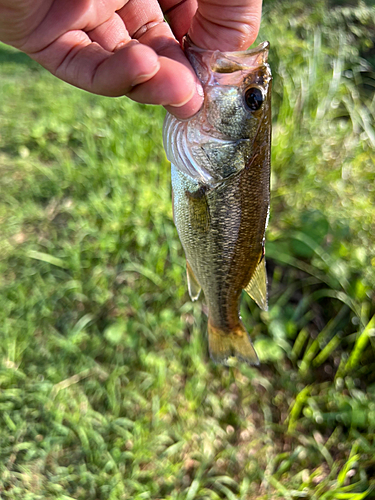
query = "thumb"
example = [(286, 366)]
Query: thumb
[(226, 25)]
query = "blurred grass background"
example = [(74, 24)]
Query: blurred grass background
[(106, 388)]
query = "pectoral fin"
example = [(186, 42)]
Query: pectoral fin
[(198, 208), (193, 285), (257, 286)]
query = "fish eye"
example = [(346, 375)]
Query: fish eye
[(253, 98)]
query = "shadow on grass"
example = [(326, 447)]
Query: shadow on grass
[(17, 57)]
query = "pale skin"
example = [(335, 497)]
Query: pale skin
[(124, 47)]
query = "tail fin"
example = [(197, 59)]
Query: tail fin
[(223, 345)]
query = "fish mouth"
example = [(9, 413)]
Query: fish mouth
[(217, 61), (188, 44)]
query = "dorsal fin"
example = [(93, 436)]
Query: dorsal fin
[(257, 286)]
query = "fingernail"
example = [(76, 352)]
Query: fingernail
[(185, 101), (125, 44), (144, 78), (200, 90)]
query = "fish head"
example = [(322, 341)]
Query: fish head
[(234, 122), (237, 90)]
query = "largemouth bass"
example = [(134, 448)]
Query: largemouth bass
[(220, 180)]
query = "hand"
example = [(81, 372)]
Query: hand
[(124, 47)]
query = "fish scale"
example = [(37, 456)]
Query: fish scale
[(220, 180)]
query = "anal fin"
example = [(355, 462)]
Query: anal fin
[(257, 286), (193, 285)]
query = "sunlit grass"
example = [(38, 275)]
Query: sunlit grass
[(106, 387)]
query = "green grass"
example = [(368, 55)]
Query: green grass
[(106, 387)]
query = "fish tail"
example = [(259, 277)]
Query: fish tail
[(224, 344)]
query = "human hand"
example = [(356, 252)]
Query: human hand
[(119, 47)]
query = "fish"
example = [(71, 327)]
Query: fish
[(220, 173)]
